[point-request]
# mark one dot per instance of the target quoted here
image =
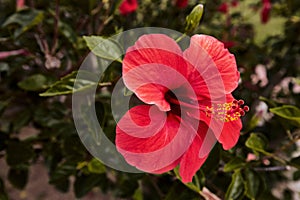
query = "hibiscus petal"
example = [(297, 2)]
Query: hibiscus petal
[(152, 140), (227, 133), (167, 168), (214, 64), (191, 162), (153, 66), (230, 134)]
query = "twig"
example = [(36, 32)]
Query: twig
[(56, 21), (181, 37), (150, 178), (105, 84), (272, 169), (101, 26), (106, 20)]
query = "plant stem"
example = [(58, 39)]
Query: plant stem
[(56, 21)]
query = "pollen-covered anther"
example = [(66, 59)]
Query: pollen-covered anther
[(227, 112)]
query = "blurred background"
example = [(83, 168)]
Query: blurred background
[(42, 46)]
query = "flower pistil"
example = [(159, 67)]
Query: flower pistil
[(227, 112)]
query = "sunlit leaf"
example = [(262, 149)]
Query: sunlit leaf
[(104, 47), (96, 167), (289, 112), (138, 194), (72, 83)]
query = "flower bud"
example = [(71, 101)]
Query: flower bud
[(193, 19)]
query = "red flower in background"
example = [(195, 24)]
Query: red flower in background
[(181, 3), (20, 4), (234, 3), (128, 6), (228, 44), (265, 13), (188, 104), (223, 8)]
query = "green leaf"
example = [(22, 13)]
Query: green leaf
[(84, 184), (253, 122), (289, 112), (3, 105), (18, 177), (22, 119), (18, 153), (126, 186), (252, 184), (177, 192), (236, 187), (96, 167), (296, 175), (212, 162), (269, 102), (26, 19), (36, 82), (3, 139), (68, 32), (256, 143), (234, 164), (3, 194), (295, 162), (104, 47), (192, 185), (138, 194), (72, 83), (60, 176)]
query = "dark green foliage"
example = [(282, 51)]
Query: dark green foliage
[(36, 91)]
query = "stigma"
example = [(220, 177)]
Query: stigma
[(227, 112)]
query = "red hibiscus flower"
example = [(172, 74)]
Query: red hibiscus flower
[(20, 4), (265, 12), (188, 104), (128, 6), (228, 44), (234, 3), (223, 8), (181, 3)]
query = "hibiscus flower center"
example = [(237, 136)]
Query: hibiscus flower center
[(227, 112), (171, 98)]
